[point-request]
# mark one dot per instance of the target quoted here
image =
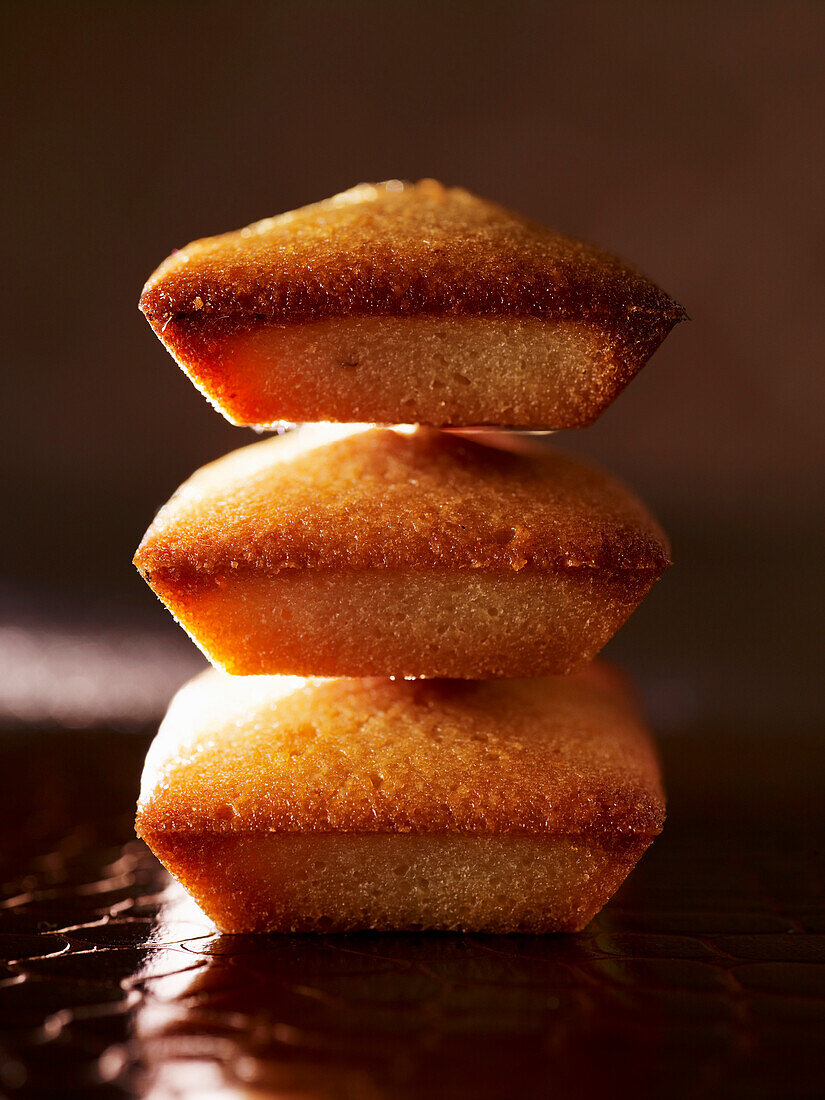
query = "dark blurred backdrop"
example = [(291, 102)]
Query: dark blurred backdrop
[(687, 137)]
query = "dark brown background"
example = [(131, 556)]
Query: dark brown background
[(685, 136)]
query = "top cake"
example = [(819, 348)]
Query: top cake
[(406, 303)]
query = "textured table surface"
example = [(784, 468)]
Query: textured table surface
[(705, 977)]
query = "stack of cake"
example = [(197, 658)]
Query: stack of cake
[(403, 729)]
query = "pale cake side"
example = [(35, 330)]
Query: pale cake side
[(356, 551), (397, 883), (289, 804), (406, 303), (472, 624)]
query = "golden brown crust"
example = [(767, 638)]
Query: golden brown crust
[(565, 756), (379, 499), (400, 250), (226, 308)]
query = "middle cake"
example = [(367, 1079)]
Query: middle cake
[(359, 551)]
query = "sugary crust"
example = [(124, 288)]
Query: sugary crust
[(566, 756), (374, 499), (399, 250), (234, 311)]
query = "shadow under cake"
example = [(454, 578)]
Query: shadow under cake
[(406, 303), (362, 551), (286, 804)]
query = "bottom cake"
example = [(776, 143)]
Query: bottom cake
[(285, 804)]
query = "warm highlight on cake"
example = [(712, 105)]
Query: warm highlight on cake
[(285, 804)]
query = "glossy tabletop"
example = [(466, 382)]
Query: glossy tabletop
[(705, 976)]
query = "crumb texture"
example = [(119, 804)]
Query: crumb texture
[(329, 883), (507, 372), (472, 625)]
